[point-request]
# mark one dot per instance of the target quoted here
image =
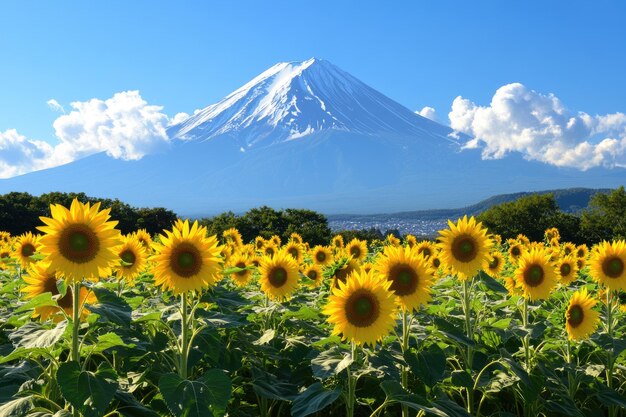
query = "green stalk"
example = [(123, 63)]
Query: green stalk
[(526, 339), (467, 305), (184, 349), (405, 347), (570, 379), (610, 361), (75, 354), (351, 395)]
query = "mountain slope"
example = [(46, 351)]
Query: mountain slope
[(308, 135)]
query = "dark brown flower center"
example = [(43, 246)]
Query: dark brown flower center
[(495, 262), (464, 248), (278, 277), (293, 252), (186, 260), (79, 244), (425, 251), (355, 251), (516, 251), (50, 285), (342, 274), (436, 262), (241, 265), (533, 275), (613, 267), (362, 308), (312, 274), (128, 256), (575, 315), (28, 250), (320, 256), (403, 279), (269, 251), (565, 269)]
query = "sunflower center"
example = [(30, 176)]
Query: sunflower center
[(128, 256), (575, 315), (515, 251), (565, 270), (362, 308), (342, 274), (355, 251), (613, 267), (79, 244), (533, 275), (186, 260), (278, 277), (494, 263), (28, 250), (425, 252), (464, 248), (404, 280), (293, 252), (320, 256), (269, 251), (312, 274), (50, 285), (436, 262)]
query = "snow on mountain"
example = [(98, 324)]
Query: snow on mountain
[(292, 100)]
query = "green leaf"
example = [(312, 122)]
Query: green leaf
[(267, 385), (16, 408), (206, 396), (33, 335), (315, 398), (90, 393), (110, 307), (462, 379), (609, 396), (395, 393), (428, 365), (41, 300), (105, 341), (491, 283), (266, 337), (129, 406), (330, 362)]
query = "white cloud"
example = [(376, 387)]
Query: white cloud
[(54, 105), (542, 128), (124, 126), (178, 118), (428, 112)]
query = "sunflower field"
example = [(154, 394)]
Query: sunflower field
[(96, 323)]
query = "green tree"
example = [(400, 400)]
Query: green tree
[(606, 217), (312, 226)]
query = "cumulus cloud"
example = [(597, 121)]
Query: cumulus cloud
[(428, 112), (54, 105), (542, 128), (178, 118), (124, 126)]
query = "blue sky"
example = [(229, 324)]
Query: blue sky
[(187, 55)]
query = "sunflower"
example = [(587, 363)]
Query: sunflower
[(523, 239), (321, 255), (80, 242), (608, 265), (552, 233), (42, 279), (410, 240), (133, 258), (580, 319), (410, 275), (554, 242), (5, 237), (144, 238), (259, 243), (425, 248), (511, 285), (186, 260), (25, 247), (275, 239), (568, 248), (357, 249), (515, 250), (314, 273), (294, 250), (232, 237), (243, 277), (279, 276), (270, 248), (295, 237), (535, 275), (362, 309), (582, 251), (496, 239), (464, 247), (342, 274), (337, 241), (392, 240), (494, 264), (367, 266), (567, 269)]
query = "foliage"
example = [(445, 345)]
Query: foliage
[(606, 217)]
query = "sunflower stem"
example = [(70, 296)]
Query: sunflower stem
[(570, 381), (610, 360), (467, 306), (75, 321), (405, 346), (526, 339), (351, 397), (184, 351)]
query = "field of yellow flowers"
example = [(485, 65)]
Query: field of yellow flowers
[(95, 323)]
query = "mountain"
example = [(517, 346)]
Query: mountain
[(308, 135)]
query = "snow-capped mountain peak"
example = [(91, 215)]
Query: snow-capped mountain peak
[(292, 100)]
